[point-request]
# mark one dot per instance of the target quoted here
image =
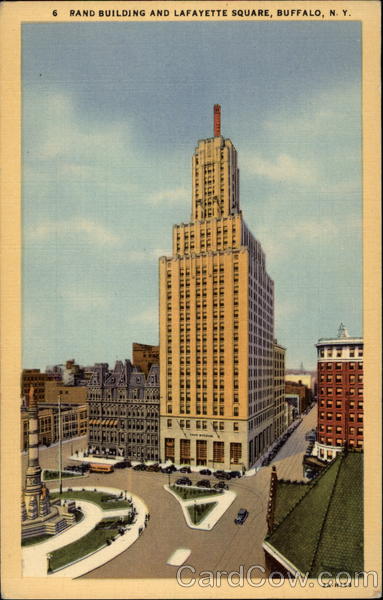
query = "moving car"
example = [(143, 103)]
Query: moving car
[(241, 516), (221, 485), (222, 475)]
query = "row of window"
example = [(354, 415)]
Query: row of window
[(341, 351), (341, 416), (340, 404), (329, 366), (351, 430), (338, 442)]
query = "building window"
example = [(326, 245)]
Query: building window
[(235, 426), (185, 451), (235, 452), (169, 423), (169, 449), (218, 452)]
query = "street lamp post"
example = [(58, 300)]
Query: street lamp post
[(60, 445), (49, 556), (195, 517)]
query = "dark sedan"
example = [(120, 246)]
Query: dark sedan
[(203, 483), (140, 467), (183, 481), (241, 516)]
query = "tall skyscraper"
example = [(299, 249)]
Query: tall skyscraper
[(216, 324), (340, 394)]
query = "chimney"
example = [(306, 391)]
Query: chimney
[(217, 120)]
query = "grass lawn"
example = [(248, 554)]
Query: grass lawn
[(35, 540), (90, 542), (186, 493), (199, 511), (50, 475), (95, 497)]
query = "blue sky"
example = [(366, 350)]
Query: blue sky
[(111, 115)]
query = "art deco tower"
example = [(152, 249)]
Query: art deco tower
[(216, 324)]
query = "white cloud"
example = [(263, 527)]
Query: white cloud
[(85, 300), (149, 316), (152, 254), (169, 196), (95, 232), (283, 168)]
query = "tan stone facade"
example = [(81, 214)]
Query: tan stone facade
[(144, 356), (74, 423), (33, 378), (70, 394), (216, 325), (279, 389)]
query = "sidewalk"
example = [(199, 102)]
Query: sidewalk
[(34, 557)]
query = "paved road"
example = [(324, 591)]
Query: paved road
[(226, 547)]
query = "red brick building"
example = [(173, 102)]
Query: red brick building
[(340, 394)]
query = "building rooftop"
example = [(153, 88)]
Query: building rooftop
[(319, 526), (343, 337)]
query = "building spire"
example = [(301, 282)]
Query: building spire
[(342, 332), (217, 120)]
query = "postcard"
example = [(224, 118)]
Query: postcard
[(190, 298)]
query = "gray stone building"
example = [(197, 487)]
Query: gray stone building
[(124, 411)]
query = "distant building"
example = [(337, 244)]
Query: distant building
[(303, 378), (34, 378), (279, 389), (303, 391), (74, 422), (144, 356), (292, 408), (307, 521), (70, 394), (340, 394), (124, 411), (55, 372)]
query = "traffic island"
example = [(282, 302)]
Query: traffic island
[(206, 517)]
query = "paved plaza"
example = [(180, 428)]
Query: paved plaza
[(225, 547)]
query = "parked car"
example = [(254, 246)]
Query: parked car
[(168, 469), (140, 467), (222, 475), (183, 481), (241, 516), (235, 474), (123, 464), (155, 467), (205, 472), (221, 485), (185, 470), (85, 466), (203, 483)]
